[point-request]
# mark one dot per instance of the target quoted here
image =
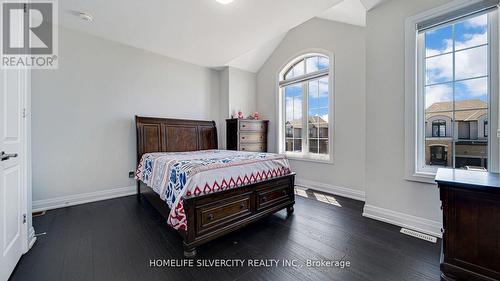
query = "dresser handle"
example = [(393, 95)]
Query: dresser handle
[(264, 199), (242, 205), (283, 192), (210, 217)]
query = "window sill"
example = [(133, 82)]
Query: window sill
[(422, 177), (306, 159)]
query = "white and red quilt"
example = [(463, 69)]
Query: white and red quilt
[(178, 175)]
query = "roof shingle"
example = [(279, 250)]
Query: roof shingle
[(466, 110)]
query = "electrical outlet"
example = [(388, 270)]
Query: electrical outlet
[(131, 174)]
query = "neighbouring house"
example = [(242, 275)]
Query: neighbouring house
[(318, 135), (457, 133)]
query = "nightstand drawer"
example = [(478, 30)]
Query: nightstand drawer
[(253, 126), (252, 137), (254, 147)]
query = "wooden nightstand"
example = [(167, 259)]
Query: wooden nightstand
[(471, 224)]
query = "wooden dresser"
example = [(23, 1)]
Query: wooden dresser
[(246, 135), (471, 224)]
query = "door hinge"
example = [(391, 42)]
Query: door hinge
[(24, 112), (24, 218), (25, 7)]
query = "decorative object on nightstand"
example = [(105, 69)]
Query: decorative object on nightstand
[(246, 135), (254, 116)]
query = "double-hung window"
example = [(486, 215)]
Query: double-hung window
[(452, 88), (439, 128), (306, 108)]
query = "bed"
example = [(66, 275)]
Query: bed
[(204, 193)]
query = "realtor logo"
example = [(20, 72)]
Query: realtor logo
[(29, 34)]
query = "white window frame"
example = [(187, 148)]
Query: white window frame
[(305, 155), (415, 169)]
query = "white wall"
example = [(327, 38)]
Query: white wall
[(223, 106), (242, 91), (347, 43), (83, 130), (238, 92), (388, 195)]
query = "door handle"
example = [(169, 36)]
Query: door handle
[(4, 156)]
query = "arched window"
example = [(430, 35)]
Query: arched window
[(306, 105)]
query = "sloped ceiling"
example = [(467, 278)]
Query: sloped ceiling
[(351, 11), (242, 34), (370, 4), (347, 11), (202, 32), (254, 59)]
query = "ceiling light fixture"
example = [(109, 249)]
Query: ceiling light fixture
[(86, 17), (224, 2)]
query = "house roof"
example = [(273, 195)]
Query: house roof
[(466, 110), (297, 123)]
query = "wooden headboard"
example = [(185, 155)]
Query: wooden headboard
[(174, 135)]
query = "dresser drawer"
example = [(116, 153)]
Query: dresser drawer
[(253, 147), (253, 126), (222, 212), (272, 196), (246, 137)]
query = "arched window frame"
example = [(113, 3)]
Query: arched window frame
[(303, 79)]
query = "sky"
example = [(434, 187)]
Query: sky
[(470, 61), (317, 100), (318, 91)]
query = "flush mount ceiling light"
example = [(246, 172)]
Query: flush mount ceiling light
[(224, 2), (86, 17)]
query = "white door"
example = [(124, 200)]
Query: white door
[(12, 182)]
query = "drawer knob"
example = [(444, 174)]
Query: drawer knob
[(210, 217), (244, 126), (242, 138), (264, 199), (243, 148), (242, 205), (283, 192)]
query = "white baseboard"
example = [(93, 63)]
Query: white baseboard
[(31, 237), (340, 191), (404, 220), (71, 200)]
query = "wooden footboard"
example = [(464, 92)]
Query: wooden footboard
[(213, 215)]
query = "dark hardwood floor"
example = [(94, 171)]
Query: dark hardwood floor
[(116, 239)]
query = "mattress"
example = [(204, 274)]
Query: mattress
[(178, 175)]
